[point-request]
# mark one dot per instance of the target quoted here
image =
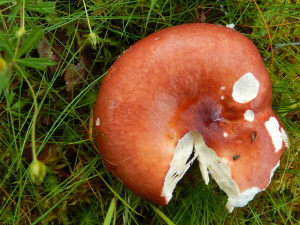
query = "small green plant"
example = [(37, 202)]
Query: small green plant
[(16, 60)]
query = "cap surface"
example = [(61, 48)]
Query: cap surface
[(197, 89)]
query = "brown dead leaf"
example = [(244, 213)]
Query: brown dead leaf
[(74, 75), (200, 15), (55, 53)]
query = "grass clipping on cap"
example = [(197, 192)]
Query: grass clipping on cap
[(49, 44)]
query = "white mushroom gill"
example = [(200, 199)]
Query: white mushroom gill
[(285, 138), (192, 146), (245, 89), (179, 165)]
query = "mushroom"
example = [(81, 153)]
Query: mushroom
[(193, 91)]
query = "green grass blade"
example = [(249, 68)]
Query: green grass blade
[(110, 212), (162, 215), (3, 2), (117, 195), (42, 7), (36, 63)]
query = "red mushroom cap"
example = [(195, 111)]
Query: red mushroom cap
[(194, 89)]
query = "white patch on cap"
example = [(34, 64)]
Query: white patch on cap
[(222, 97), (285, 137), (249, 115), (155, 39), (272, 127), (210, 164), (231, 26), (245, 89), (98, 122), (225, 134), (222, 88)]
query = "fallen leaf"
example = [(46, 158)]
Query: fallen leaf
[(74, 75)]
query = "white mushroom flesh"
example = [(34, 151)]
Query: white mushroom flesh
[(192, 146), (273, 171), (179, 164)]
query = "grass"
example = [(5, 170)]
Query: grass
[(46, 49)]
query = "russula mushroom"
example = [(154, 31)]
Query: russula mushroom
[(194, 91)]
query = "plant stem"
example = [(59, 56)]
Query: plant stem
[(87, 16), (35, 104), (22, 26), (23, 16)]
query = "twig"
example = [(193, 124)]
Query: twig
[(280, 45), (267, 28)]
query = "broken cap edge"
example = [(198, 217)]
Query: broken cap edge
[(209, 163), (248, 195)]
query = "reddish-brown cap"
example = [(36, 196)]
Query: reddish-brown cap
[(194, 89)]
